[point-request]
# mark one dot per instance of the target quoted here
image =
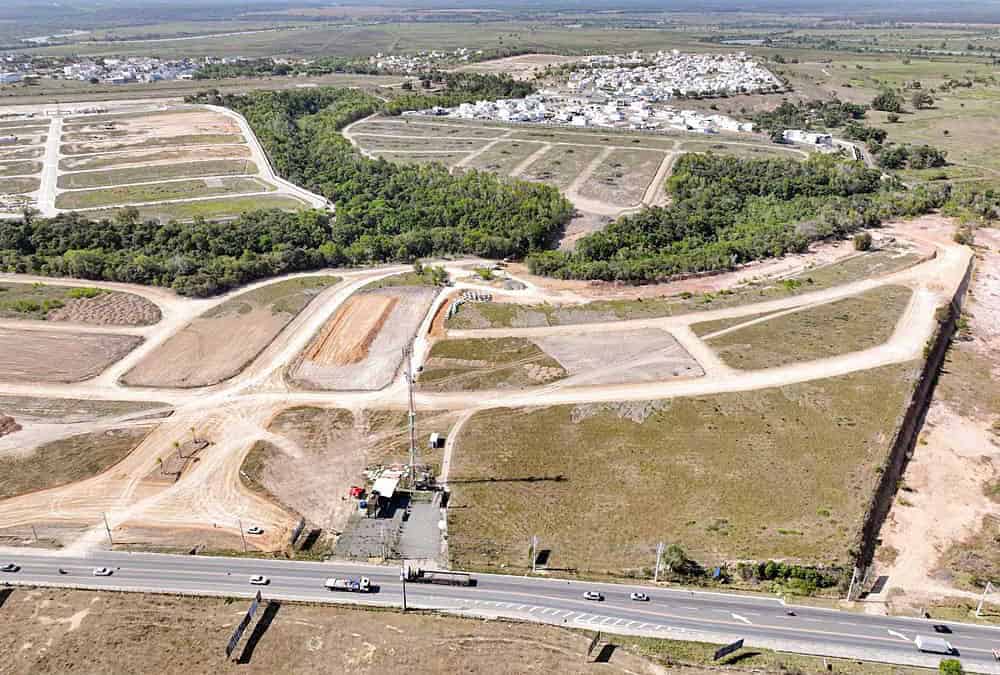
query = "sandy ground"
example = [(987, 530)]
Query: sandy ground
[(634, 356), (350, 333), (383, 355), (177, 123), (154, 157), (108, 309), (54, 631), (41, 356), (523, 67), (957, 456)]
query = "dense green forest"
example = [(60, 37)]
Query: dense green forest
[(384, 212), (727, 211), (460, 88)]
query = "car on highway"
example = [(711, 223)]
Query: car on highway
[(256, 529), (9, 567), (638, 597), (102, 572), (259, 580), (593, 595)]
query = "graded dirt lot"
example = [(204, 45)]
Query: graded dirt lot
[(66, 460), (41, 356), (51, 302), (205, 351), (311, 457), (623, 177), (521, 67), (164, 123), (836, 328), (500, 363), (600, 484), (353, 354), (151, 142)]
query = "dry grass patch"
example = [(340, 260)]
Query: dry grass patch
[(601, 484), (500, 363), (376, 143), (151, 157), (560, 165), (447, 159), (67, 460), (744, 150), (972, 562), (623, 177), (205, 353), (209, 208), (140, 174), (849, 325), (504, 157), (155, 142), (155, 192), (20, 168), (96, 306), (18, 186)]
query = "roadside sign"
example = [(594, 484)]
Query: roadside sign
[(728, 649)]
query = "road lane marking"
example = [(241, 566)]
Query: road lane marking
[(742, 618), (899, 635)]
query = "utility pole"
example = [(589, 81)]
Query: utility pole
[(242, 535), (659, 556), (402, 579), (979, 608), (408, 355), (534, 551), (34, 532), (107, 529)]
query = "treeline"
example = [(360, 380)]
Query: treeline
[(911, 157), (726, 211), (808, 115), (460, 88)]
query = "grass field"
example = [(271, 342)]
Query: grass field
[(189, 154), (602, 484), (375, 143), (445, 158), (508, 315), (222, 167), (622, 178), (66, 461), (836, 328), (417, 127), (20, 168), (136, 194), (34, 301), (210, 208), (156, 142), (501, 363), (504, 157), (759, 151), (560, 165), (17, 186), (601, 138), (9, 154)]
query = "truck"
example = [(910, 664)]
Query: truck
[(933, 645), (362, 585), (417, 575)]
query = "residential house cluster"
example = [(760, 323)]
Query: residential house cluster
[(125, 71), (668, 75), (421, 62)]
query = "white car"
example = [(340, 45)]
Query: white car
[(9, 567), (259, 580), (593, 595), (638, 597), (102, 572), (255, 530)]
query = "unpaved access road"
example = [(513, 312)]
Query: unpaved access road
[(235, 414)]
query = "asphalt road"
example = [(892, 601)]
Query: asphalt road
[(670, 613)]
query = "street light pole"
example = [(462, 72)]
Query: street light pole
[(107, 528), (979, 607), (534, 551), (659, 556), (242, 535), (402, 579)]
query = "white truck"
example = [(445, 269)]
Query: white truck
[(362, 585), (933, 645)]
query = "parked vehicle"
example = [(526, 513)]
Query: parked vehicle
[(593, 595), (259, 580), (256, 529), (933, 645), (362, 585)]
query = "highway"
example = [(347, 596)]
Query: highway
[(671, 613)]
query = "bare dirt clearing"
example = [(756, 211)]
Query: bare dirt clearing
[(205, 351), (39, 356), (521, 67), (577, 475), (160, 124), (50, 631), (379, 343)]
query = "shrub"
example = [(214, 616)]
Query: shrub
[(950, 667), (89, 292), (862, 241)]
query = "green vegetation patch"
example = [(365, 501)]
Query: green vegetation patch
[(561, 164), (35, 301), (155, 142), (184, 189), (140, 174), (848, 325), (493, 363), (600, 484), (208, 208), (283, 297), (975, 560), (19, 168), (66, 460)]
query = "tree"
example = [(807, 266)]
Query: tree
[(921, 99), (888, 101), (950, 667), (862, 241), (676, 560)]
